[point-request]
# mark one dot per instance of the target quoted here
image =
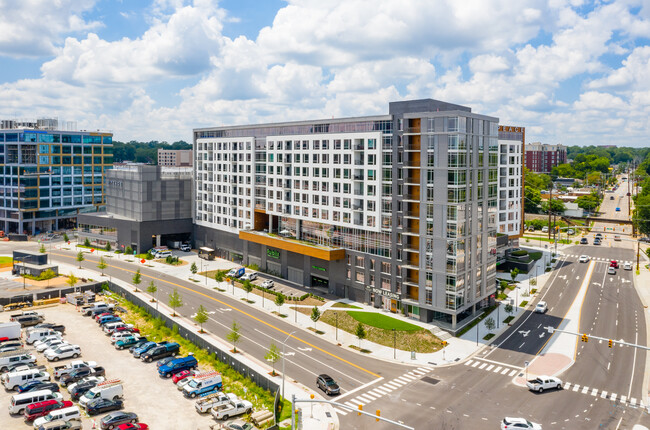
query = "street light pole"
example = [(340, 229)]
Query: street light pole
[(394, 344), (284, 359), (336, 314)]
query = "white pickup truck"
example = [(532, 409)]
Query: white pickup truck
[(543, 382), (62, 370), (231, 409), (204, 404)]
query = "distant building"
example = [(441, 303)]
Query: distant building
[(175, 157), (542, 157), (511, 181)]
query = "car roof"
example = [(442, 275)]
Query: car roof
[(514, 420), (325, 376)]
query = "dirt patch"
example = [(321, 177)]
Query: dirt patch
[(179, 263)]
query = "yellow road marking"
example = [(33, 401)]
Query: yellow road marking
[(245, 313)]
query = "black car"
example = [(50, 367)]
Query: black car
[(81, 373), (81, 388), (596, 241), (114, 419), (56, 327), (159, 352), (584, 241), (645, 239), (52, 386), (327, 384), (98, 406)]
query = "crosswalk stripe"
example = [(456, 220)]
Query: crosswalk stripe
[(368, 395), (415, 375), (476, 363), (359, 401), (498, 369), (482, 365), (576, 387), (623, 398), (408, 377), (513, 373), (633, 401), (340, 411), (603, 394), (594, 392), (352, 405), (391, 386), (506, 370), (424, 369), (468, 362), (418, 372), (379, 391), (567, 385), (490, 367), (402, 380), (584, 390), (365, 397)]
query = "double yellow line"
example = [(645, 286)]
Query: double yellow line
[(244, 313)]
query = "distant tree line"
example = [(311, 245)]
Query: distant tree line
[(586, 160), (143, 152)]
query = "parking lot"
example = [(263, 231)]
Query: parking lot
[(155, 400)]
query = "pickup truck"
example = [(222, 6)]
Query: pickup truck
[(62, 370), (231, 409), (24, 314), (81, 373), (543, 382), (204, 404), (97, 307), (161, 351), (28, 320)]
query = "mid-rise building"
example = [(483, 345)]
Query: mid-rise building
[(50, 176), (398, 210), (146, 206), (542, 157), (175, 157), (511, 182)]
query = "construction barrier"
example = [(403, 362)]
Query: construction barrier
[(43, 302)]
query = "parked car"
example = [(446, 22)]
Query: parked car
[(129, 341), (70, 413), (52, 386), (99, 406), (597, 241), (63, 351), (186, 248), (161, 351), (327, 384), (29, 386), (249, 276), (268, 283), (519, 424), (611, 271), (114, 419), (236, 272), (108, 319), (62, 425), (543, 382), (56, 327), (545, 229), (141, 349), (239, 425), (12, 380), (81, 388), (182, 375), (121, 335), (541, 307), (132, 426), (80, 373), (599, 235), (231, 409), (618, 209), (10, 345), (175, 366), (25, 364), (40, 409), (128, 329), (51, 344), (164, 361), (59, 371)]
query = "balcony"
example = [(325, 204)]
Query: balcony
[(293, 245)]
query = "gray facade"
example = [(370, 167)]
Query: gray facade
[(145, 207)]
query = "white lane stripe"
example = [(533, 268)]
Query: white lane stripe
[(397, 382), (513, 373), (498, 369), (380, 391), (506, 370), (391, 386), (365, 398), (403, 379), (623, 398), (419, 372), (362, 387), (632, 401), (408, 377), (482, 365), (352, 405)]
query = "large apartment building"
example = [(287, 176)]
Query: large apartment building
[(542, 157), (511, 181), (397, 210), (49, 176), (175, 157)]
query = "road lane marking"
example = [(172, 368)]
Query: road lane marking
[(490, 367), (240, 311), (391, 385), (498, 369), (476, 363), (623, 399), (506, 370), (363, 387), (584, 390), (636, 341), (613, 397), (468, 362), (340, 411), (633, 401), (576, 387)]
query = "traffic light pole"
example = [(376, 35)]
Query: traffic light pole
[(585, 338)]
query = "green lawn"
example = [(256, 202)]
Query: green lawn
[(382, 321), (345, 305), (4, 260)]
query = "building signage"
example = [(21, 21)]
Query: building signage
[(322, 269), (511, 129), (117, 184), (382, 292), (272, 253)]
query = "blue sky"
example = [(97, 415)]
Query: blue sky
[(571, 71)]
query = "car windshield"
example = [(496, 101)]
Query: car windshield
[(193, 383), (330, 382)]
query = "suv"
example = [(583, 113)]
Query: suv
[(327, 384), (519, 423), (584, 241), (186, 247), (160, 351)]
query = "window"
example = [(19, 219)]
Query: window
[(385, 267), (360, 277)]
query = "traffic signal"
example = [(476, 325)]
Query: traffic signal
[(360, 409), (611, 343), (378, 413), (585, 338)]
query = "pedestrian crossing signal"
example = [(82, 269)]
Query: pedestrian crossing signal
[(585, 338), (611, 343)]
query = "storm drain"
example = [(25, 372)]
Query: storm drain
[(430, 380)]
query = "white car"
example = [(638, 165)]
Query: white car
[(63, 351), (46, 339), (250, 276), (519, 423), (268, 283), (120, 335), (50, 344), (584, 259), (611, 271), (541, 307), (545, 229), (627, 266), (542, 383)]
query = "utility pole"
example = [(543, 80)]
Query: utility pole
[(550, 198)]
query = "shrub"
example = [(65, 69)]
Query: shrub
[(108, 247), (86, 242), (128, 250), (519, 253)]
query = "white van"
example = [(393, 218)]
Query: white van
[(12, 380), (20, 401), (39, 334), (111, 390), (67, 414), (163, 254), (15, 357)]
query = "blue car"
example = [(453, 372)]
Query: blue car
[(164, 361), (28, 386), (137, 350), (618, 209)]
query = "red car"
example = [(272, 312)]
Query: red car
[(129, 329), (613, 264), (134, 426), (40, 409), (177, 377)]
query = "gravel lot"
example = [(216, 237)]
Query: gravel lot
[(156, 401)]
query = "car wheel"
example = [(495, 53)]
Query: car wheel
[(75, 355), (193, 395), (55, 359), (21, 411), (225, 417), (111, 427), (149, 360), (248, 411), (559, 386), (120, 347), (168, 375), (541, 390), (134, 421)]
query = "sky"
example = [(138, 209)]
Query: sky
[(574, 72)]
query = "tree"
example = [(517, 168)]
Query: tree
[(588, 203), (279, 301), (315, 315), (80, 258), (509, 308), (65, 237), (503, 285), (87, 242), (272, 355), (532, 200), (248, 287), (193, 269), (42, 249), (201, 317), (234, 336), (137, 279), (641, 216), (128, 250), (360, 332), (108, 247), (72, 280), (513, 274), (152, 289), (490, 324), (219, 276), (102, 265), (175, 301)]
